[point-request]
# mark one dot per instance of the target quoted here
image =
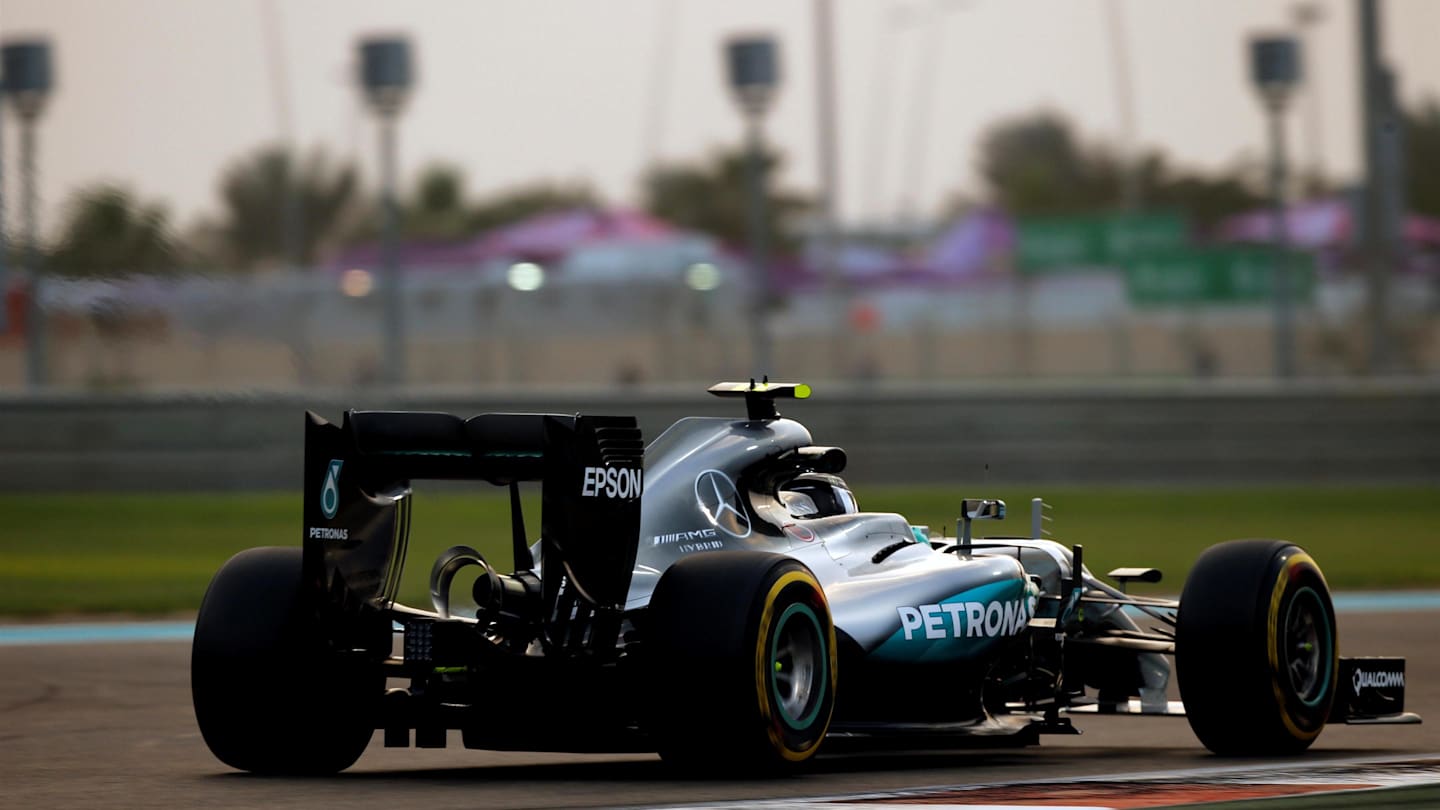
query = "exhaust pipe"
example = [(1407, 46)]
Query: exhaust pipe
[(509, 598)]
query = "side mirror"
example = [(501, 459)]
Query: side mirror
[(978, 509), (982, 509)]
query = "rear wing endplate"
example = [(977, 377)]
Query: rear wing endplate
[(357, 483)]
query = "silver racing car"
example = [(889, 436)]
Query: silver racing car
[(718, 596)]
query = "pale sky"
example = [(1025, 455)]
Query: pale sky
[(158, 95)]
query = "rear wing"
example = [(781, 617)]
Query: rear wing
[(357, 492)]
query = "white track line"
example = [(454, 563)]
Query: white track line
[(1413, 769)]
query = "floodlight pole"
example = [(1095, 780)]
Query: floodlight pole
[(34, 311), (827, 151), (754, 76), (1130, 190), (385, 78), (1284, 294), (4, 242), (394, 326), (1275, 69), (755, 176), (1372, 222), (1307, 16), (27, 77)]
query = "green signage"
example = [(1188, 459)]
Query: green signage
[(1214, 276), (1059, 244)]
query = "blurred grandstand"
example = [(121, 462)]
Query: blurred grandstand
[(1072, 258), (592, 296)]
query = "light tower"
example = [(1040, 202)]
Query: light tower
[(386, 77), (1275, 69), (28, 79), (754, 78)]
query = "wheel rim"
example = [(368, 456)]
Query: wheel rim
[(798, 665), (1307, 647)]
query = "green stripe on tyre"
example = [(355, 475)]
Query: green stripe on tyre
[(1324, 658), (820, 661)]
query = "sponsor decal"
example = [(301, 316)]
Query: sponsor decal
[(719, 500), (802, 533), (965, 619), (1376, 680), (327, 533), (964, 626), (330, 492), (708, 545), (683, 537), (612, 482)]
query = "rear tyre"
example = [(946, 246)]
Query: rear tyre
[(269, 697), (1256, 653), (743, 650)]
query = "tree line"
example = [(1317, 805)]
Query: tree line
[(283, 208)]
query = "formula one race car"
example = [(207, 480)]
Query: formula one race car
[(717, 596)]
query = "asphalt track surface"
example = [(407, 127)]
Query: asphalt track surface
[(110, 725)]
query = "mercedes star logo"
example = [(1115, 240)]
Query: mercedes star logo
[(717, 497)]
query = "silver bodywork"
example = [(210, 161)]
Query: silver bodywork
[(900, 599)]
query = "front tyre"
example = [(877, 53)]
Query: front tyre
[(743, 649), (269, 696), (1256, 653)]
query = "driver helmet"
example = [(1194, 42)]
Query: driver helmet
[(814, 495)]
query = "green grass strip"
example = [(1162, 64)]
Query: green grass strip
[(153, 554)]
